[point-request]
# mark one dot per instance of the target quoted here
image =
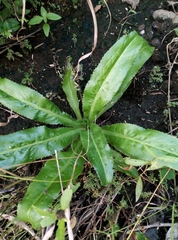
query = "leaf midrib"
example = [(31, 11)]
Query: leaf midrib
[(122, 136), (41, 142), (104, 82), (93, 140), (46, 111)]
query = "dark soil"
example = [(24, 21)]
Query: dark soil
[(144, 103)]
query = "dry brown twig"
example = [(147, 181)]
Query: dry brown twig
[(146, 206), (95, 37), (20, 224), (3, 124), (170, 67)]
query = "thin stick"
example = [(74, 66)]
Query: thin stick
[(23, 12), (49, 232), (170, 65), (110, 18), (146, 206), (19, 40), (95, 37), (69, 228), (154, 225), (59, 172), (20, 224), (67, 211), (95, 25)]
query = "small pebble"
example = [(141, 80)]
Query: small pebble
[(175, 233), (155, 42), (160, 27), (158, 56), (152, 234), (141, 27)]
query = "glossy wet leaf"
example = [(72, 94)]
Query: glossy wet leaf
[(70, 89), (34, 143), (45, 188), (107, 84), (31, 104), (155, 163), (114, 74), (98, 152), (164, 161), (143, 144)]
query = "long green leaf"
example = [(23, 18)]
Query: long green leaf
[(70, 90), (98, 152), (164, 161), (114, 74), (147, 145), (142, 56), (46, 186), (156, 163), (29, 103), (31, 144)]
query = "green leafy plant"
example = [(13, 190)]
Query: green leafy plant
[(27, 79), (35, 3), (8, 23), (11, 54), (25, 46), (112, 147), (156, 76), (10, 15), (49, 217), (45, 16)]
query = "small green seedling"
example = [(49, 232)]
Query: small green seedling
[(45, 16), (27, 79), (11, 54), (58, 214)]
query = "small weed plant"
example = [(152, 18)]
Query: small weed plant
[(156, 76), (13, 18), (107, 148), (10, 14), (44, 17), (11, 55), (27, 79)]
